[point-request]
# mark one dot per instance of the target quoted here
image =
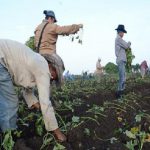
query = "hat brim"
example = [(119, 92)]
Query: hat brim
[(124, 31)]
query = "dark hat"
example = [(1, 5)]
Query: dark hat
[(50, 13), (121, 28)]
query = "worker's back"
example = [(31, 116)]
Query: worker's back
[(21, 62)]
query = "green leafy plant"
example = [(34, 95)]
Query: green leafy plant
[(87, 131), (47, 139), (58, 147), (97, 110), (75, 119), (8, 142), (17, 133), (39, 124), (64, 126), (137, 138), (130, 58), (50, 139)]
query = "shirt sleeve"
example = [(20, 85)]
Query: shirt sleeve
[(66, 30), (43, 85), (123, 43), (29, 97)]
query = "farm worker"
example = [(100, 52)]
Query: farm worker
[(45, 42), (121, 58), (99, 68), (143, 68), (21, 66), (68, 76)]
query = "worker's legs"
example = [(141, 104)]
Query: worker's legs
[(122, 76), (8, 101)]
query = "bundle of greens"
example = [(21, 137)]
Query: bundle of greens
[(130, 58), (77, 36)]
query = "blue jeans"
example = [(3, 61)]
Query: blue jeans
[(122, 75), (8, 101)]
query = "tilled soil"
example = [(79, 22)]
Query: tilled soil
[(103, 134)]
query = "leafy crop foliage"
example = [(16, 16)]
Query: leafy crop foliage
[(77, 106), (130, 58)]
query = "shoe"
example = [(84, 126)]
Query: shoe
[(119, 94)]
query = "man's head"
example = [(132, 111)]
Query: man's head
[(99, 60), (121, 30), (56, 67), (121, 33), (50, 15)]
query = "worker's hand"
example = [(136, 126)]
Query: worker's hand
[(59, 135), (36, 106), (80, 25)]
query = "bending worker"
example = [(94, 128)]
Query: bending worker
[(21, 66)]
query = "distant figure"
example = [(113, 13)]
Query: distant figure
[(86, 75), (99, 68), (143, 68), (148, 70), (68, 76)]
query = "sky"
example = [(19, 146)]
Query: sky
[(100, 18)]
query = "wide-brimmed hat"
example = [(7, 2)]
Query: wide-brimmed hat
[(50, 13), (121, 28)]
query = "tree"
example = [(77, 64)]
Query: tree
[(111, 68), (136, 67), (30, 43)]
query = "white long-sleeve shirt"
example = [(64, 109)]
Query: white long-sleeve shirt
[(120, 47), (29, 69)]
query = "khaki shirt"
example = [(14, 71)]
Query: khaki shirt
[(29, 69), (50, 35)]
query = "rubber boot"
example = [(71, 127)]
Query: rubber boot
[(119, 94)]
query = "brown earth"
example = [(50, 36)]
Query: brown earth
[(103, 131)]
